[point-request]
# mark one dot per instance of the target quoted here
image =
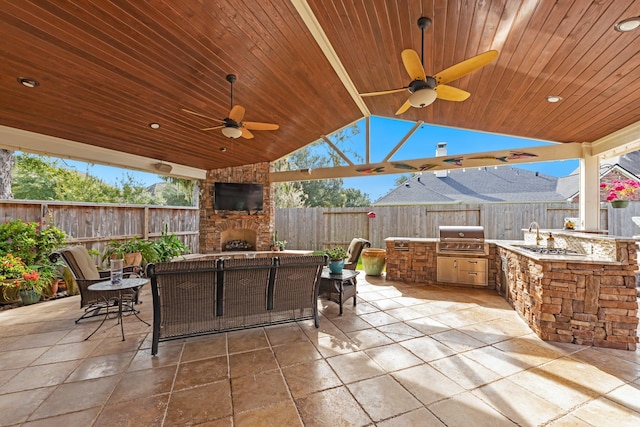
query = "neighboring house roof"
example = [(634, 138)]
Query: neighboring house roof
[(628, 165), (502, 184)]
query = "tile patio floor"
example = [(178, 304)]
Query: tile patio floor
[(406, 355)]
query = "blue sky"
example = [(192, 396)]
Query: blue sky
[(385, 135)]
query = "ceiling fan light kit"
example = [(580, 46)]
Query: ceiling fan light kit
[(233, 126), (426, 89), (163, 167), (231, 132), (422, 98)]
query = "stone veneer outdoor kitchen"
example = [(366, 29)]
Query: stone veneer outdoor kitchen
[(585, 299)]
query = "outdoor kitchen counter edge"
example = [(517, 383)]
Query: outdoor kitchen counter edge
[(511, 245)]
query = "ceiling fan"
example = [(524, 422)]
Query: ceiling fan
[(425, 89), (232, 126)]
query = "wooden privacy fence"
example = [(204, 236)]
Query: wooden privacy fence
[(94, 225), (319, 228)]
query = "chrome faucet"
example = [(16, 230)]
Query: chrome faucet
[(538, 238)]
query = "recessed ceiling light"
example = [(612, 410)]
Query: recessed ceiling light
[(554, 98), (28, 82), (154, 125), (628, 24), (223, 149)]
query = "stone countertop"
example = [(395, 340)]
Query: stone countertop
[(515, 246), (412, 239), (585, 234)]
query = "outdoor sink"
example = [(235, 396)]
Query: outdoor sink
[(545, 251)]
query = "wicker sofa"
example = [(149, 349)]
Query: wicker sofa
[(192, 298)]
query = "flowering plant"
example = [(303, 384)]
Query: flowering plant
[(628, 189), (31, 281), (11, 267)]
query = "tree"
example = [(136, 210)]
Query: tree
[(6, 166), (319, 193), (179, 191), (42, 178)]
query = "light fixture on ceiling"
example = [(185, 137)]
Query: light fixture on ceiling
[(554, 98), (423, 97), (28, 82), (628, 24), (154, 125), (163, 167), (223, 149), (231, 132)]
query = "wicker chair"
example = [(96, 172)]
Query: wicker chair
[(86, 273), (353, 253)]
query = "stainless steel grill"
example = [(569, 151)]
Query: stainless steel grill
[(462, 239)]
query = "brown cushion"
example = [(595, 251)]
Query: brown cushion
[(355, 247), (80, 262)]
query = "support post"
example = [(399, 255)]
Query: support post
[(589, 191)]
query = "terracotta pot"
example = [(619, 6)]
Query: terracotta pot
[(134, 258), (52, 289)]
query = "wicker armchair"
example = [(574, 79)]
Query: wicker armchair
[(353, 252), (86, 273)]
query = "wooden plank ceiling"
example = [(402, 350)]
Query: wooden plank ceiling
[(109, 69)]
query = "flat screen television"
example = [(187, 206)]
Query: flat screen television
[(231, 196)]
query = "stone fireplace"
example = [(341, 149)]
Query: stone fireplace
[(221, 229)]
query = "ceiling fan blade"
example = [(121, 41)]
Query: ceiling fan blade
[(413, 65), (237, 113), (201, 115), (384, 92), (213, 128), (403, 108), (465, 67), (260, 126), (450, 93), (245, 133)]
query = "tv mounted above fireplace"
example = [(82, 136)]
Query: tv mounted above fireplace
[(232, 196)]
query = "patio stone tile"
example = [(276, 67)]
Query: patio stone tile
[(386, 304), (457, 340), (32, 340), (251, 362), (167, 355), (623, 369), (627, 395), (331, 346), (418, 417), (404, 313), (80, 418), (310, 377), (465, 409), (378, 318), (147, 411), (517, 403), (427, 384), (497, 330), (582, 374), (148, 382), (280, 414), (296, 353), (350, 322), (427, 325), (39, 376), (116, 345), (258, 390), (285, 334), (205, 347), (64, 352), (199, 404), (496, 360), (76, 396), (200, 372), (355, 367), (464, 371), (602, 411), (246, 340), (382, 397), (569, 421), (369, 338), (333, 407), (393, 357), (16, 407), (400, 331), (21, 358), (101, 366), (427, 349), (363, 307)]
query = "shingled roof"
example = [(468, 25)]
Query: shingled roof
[(502, 184)]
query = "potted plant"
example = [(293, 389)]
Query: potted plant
[(620, 192), (11, 269), (133, 251), (278, 245), (168, 246), (336, 256)]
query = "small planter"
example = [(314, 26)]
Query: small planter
[(336, 266), (52, 289), (618, 204), (29, 296)]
